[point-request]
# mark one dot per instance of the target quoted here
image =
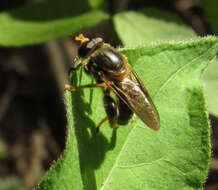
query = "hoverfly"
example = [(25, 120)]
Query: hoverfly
[(112, 72)]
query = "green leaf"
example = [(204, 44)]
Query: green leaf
[(210, 79), (210, 9), (40, 22), (150, 25), (134, 156), (153, 25)]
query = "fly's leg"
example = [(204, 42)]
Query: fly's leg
[(74, 88), (72, 71), (117, 113), (76, 64), (111, 110), (100, 124)]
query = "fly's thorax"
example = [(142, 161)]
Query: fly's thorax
[(108, 60)]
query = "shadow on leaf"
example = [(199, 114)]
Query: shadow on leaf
[(92, 148)]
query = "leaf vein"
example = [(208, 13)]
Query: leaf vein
[(179, 70), (141, 164), (154, 162), (115, 164)]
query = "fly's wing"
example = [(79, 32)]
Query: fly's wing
[(136, 96)]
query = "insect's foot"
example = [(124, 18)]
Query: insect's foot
[(97, 131), (68, 87), (84, 63)]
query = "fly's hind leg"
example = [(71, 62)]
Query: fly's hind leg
[(100, 124), (111, 110)]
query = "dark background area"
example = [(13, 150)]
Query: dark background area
[(32, 113)]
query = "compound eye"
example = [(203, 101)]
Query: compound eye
[(89, 47), (83, 50)]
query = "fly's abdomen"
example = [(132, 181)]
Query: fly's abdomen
[(111, 109), (125, 113)]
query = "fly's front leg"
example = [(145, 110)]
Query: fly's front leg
[(72, 71), (75, 66)]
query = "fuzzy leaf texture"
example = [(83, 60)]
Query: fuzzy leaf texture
[(40, 22), (210, 80), (134, 156)]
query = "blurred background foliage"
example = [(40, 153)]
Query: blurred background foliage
[(36, 51)]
